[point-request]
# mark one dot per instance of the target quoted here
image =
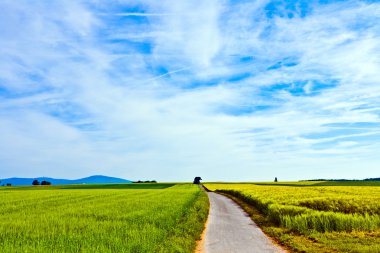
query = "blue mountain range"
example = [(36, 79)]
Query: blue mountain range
[(97, 179)]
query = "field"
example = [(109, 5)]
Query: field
[(313, 217), (92, 186), (102, 218)]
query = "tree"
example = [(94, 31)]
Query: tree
[(275, 180), (35, 182), (197, 180), (45, 183)]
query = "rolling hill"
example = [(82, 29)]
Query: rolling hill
[(96, 179)]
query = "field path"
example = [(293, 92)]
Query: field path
[(229, 229)]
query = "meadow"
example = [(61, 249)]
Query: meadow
[(102, 218), (314, 216)]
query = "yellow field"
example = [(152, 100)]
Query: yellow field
[(317, 213)]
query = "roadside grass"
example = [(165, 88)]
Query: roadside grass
[(313, 219), (97, 220)]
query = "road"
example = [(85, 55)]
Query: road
[(229, 229)]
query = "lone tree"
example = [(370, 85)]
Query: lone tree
[(35, 182), (197, 180), (275, 180)]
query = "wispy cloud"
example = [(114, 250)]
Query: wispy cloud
[(227, 90), (139, 14)]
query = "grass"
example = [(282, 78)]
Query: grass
[(93, 186), (143, 219), (120, 186), (313, 218)]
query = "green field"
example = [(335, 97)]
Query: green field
[(314, 216), (92, 186), (102, 218)]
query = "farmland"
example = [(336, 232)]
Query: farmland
[(102, 218), (313, 217)]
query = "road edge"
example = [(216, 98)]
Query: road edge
[(200, 243)]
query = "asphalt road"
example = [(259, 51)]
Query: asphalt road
[(229, 230)]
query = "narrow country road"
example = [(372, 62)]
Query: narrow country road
[(230, 230)]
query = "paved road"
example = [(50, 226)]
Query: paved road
[(229, 230)]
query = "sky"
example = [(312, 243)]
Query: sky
[(169, 90)]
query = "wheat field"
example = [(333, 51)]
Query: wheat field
[(102, 220), (312, 217)]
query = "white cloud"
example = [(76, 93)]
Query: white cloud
[(83, 104)]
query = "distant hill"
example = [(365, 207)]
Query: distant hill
[(97, 179)]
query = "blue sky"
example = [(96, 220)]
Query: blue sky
[(169, 90)]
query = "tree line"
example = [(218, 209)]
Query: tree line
[(44, 182)]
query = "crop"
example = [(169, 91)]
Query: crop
[(319, 208), (102, 220), (328, 216)]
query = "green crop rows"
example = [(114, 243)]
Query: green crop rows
[(169, 219)]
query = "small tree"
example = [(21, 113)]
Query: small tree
[(35, 182), (275, 180), (197, 180), (45, 183)]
